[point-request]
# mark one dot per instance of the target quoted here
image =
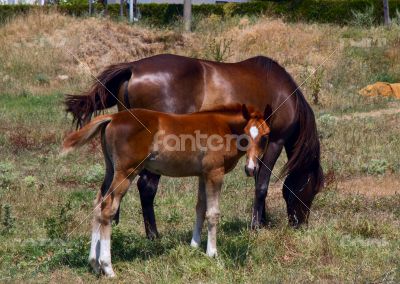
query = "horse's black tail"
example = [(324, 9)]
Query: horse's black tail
[(101, 95), (306, 156)]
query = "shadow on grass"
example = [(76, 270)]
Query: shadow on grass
[(126, 246), (129, 246), (235, 242)]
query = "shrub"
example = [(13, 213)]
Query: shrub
[(363, 18), (42, 79), (316, 85), (219, 50), (396, 19), (58, 227), (30, 181), (94, 174), (6, 174), (324, 11), (326, 125), (376, 167), (7, 220)]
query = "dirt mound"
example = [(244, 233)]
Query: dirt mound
[(381, 89), (40, 48)]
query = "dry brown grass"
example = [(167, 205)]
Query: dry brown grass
[(353, 233), (36, 49)]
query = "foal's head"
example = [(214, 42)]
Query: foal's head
[(257, 131)]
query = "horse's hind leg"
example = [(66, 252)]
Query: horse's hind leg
[(201, 208), (109, 206)]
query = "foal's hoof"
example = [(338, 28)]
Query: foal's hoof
[(194, 244), (212, 252), (107, 270), (95, 265)]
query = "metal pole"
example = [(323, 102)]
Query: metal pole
[(131, 11), (90, 7), (386, 12), (187, 14)]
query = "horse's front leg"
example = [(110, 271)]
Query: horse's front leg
[(263, 175), (109, 206), (213, 190), (201, 208)]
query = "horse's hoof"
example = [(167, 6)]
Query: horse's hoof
[(152, 235), (256, 226)]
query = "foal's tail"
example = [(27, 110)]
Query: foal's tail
[(102, 94), (81, 137)]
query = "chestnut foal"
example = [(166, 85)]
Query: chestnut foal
[(214, 141)]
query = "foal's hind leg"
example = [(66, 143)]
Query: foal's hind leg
[(109, 206), (95, 243), (201, 208)]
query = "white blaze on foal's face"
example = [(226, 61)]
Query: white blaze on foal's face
[(253, 132), (256, 129), (251, 165)]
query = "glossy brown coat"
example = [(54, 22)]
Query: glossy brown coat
[(129, 146), (177, 84)]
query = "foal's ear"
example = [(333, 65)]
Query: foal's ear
[(245, 112), (268, 113)]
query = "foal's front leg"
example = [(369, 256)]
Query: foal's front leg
[(213, 190), (201, 208)]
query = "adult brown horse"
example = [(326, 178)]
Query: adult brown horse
[(176, 84)]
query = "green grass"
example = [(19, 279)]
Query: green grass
[(45, 199), (350, 238)]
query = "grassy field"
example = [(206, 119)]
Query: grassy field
[(46, 201)]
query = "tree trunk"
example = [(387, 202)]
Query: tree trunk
[(121, 8), (90, 7), (187, 14), (386, 12)]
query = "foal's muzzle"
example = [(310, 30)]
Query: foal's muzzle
[(250, 172)]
